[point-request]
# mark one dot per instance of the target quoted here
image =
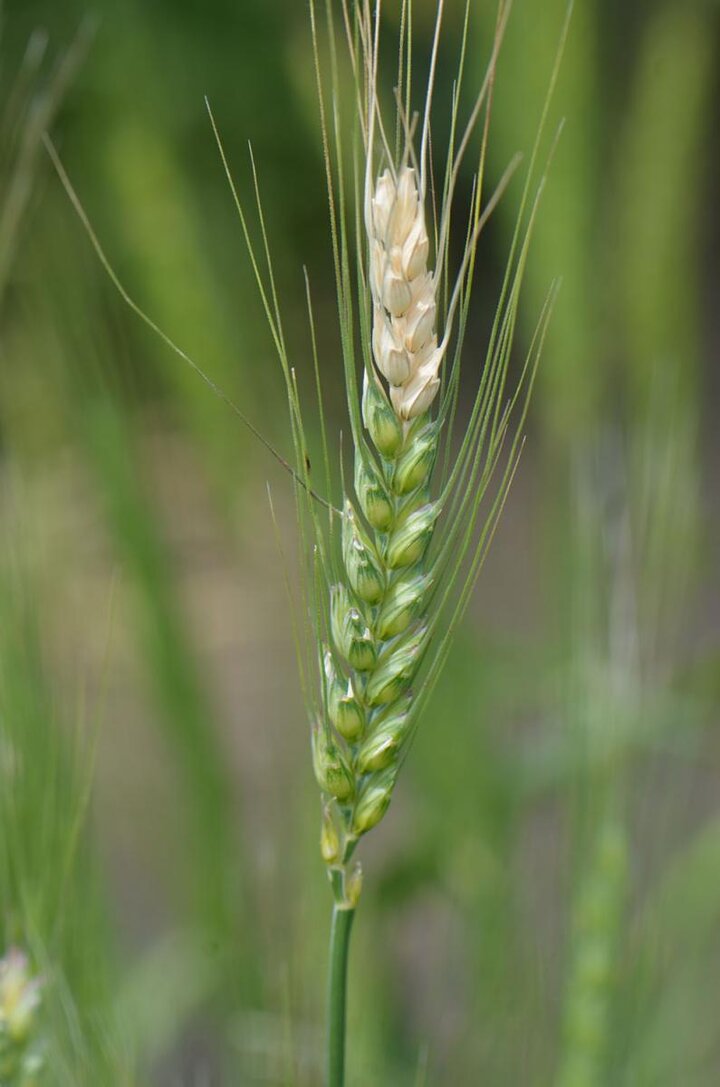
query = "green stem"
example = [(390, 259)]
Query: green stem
[(342, 919)]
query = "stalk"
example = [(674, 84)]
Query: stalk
[(340, 929), (597, 919)]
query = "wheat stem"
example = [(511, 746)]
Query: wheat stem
[(340, 929)]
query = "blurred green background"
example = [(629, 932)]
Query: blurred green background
[(542, 903)]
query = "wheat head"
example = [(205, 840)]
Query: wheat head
[(20, 992), (401, 585)]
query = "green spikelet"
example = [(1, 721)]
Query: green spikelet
[(374, 800), (362, 564), (416, 462), (381, 421), (402, 604), (375, 502), (409, 542), (332, 771), (381, 748), (344, 709), (396, 669)]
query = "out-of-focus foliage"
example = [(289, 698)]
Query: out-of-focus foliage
[(543, 903)]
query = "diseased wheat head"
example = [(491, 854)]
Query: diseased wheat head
[(412, 538)]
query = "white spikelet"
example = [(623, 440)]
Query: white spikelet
[(405, 343)]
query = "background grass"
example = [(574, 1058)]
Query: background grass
[(542, 903)]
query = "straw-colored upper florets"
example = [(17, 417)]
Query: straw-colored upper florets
[(405, 343)]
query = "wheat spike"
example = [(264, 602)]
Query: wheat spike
[(392, 603), (379, 626)]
